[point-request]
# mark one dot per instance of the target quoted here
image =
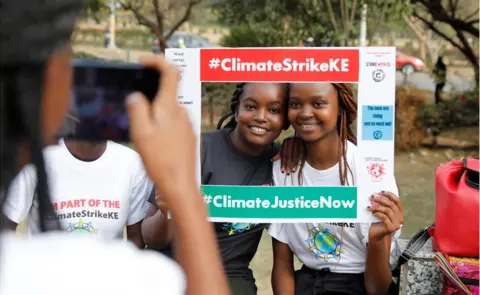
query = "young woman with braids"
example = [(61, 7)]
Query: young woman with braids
[(239, 153), (338, 258), (34, 91)]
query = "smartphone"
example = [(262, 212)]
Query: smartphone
[(97, 110)]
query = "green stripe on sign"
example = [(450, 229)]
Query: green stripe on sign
[(285, 202)]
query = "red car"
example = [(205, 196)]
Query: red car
[(408, 64)]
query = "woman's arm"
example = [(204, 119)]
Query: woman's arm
[(389, 210), (156, 229), (283, 280), (134, 234), (163, 136), (378, 275)]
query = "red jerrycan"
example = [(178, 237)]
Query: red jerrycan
[(456, 230)]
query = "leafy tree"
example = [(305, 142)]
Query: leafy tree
[(455, 21), (161, 17), (329, 22)]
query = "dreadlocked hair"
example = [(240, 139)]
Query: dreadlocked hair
[(294, 148), (348, 114), (47, 25), (235, 102)]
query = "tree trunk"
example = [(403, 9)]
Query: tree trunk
[(421, 48), (162, 43), (211, 110)]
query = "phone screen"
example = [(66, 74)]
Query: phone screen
[(97, 109)]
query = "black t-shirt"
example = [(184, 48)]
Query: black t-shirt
[(167, 251), (223, 164)]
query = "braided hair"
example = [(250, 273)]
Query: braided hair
[(348, 114), (235, 102)]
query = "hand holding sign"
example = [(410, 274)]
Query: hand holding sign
[(388, 208)]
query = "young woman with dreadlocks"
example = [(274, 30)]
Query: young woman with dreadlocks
[(338, 258), (35, 84), (239, 153)]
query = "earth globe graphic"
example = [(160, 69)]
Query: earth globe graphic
[(80, 231), (240, 226), (325, 243)]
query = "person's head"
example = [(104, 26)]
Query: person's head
[(309, 42), (323, 113), (35, 80), (258, 112)]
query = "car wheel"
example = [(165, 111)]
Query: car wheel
[(408, 69)]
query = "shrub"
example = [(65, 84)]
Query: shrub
[(246, 36), (409, 132), (84, 55), (458, 111)]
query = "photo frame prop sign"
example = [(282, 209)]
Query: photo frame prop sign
[(372, 68)]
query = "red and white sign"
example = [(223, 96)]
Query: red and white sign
[(279, 65), (371, 68)]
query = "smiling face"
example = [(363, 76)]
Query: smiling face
[(260, 114), (313, 110)]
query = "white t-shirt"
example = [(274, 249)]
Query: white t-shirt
[(58, 264), (338, 246), (97, 198)]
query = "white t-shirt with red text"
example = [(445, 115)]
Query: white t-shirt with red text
[(97, 198)]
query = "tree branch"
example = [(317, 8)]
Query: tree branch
[(352, 16), (160, 16), (343, 13), (472, 15), (438, 13), (437, 31), (413, 27), (328, 3), (185, 17), (141, 19)]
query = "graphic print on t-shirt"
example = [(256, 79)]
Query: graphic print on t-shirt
[(238, 227), (323, 244), (82, 228)]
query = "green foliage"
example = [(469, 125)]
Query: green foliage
[(458, 111), (246, 36), (286, 22), (94, 8), (85, 55)]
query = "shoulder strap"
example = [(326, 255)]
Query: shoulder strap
[(415, 244), (449, 273)]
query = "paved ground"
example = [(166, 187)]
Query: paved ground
[(425, 82)]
